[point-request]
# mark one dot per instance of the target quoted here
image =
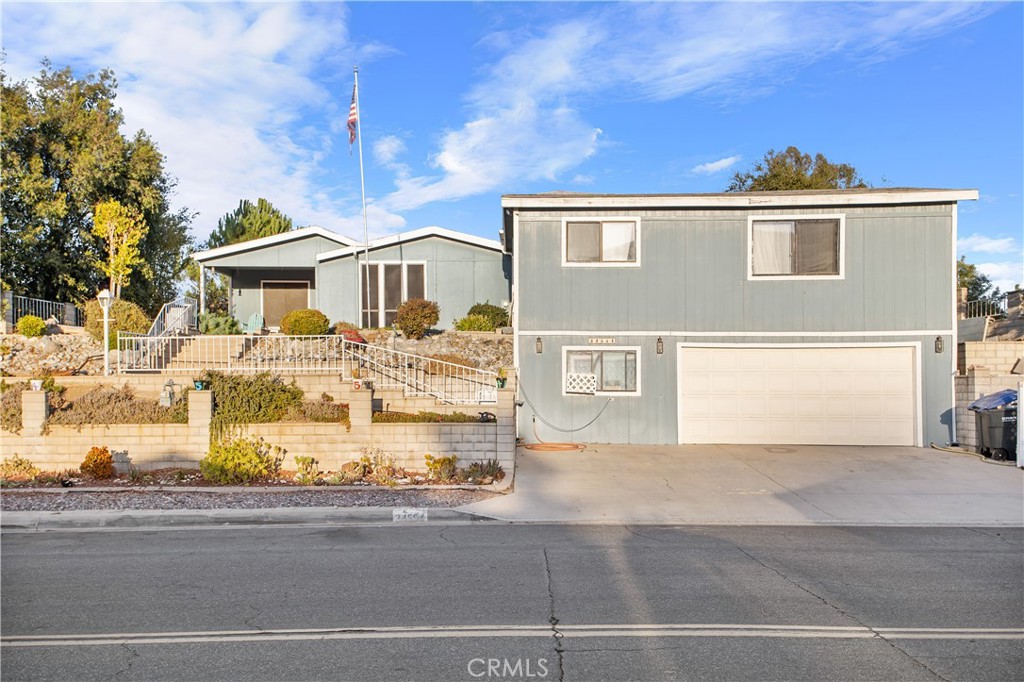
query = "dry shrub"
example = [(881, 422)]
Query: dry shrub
[(104, 405), (98, 463)]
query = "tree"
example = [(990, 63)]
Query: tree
[(122, 229), (249, 222), (792, 169), (61, 153), (979, 286)]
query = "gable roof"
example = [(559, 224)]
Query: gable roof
[(391, 240), (273, 240)]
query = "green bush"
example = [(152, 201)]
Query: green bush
[(305, 322), (308, 472), (422, 417), (125, 316), (441, 468), (496, 314), (31, 326), (241, 461), (474, 323), (98, 463), (488, 469), (17, 467), (258, 399), (416, 316), (214, 323)]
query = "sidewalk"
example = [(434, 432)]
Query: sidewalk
[(769, 485), (688, 484)]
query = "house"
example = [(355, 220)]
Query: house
[(805, 317), (315, 268)]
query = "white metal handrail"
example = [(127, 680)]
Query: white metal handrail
[(414, 374), (176, 317)]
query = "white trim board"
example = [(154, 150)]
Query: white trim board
[(263, 242), (606, 332), (403, 237), (740, 199), (918, 379)]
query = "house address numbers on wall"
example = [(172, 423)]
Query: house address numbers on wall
[(601, 340)]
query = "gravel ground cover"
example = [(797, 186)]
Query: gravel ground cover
[(129, 499)]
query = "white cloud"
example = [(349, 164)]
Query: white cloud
[(978, 243), (229, 92), (713, 167), (580, 179), (387, 148), (524, 119), (1004, 275)]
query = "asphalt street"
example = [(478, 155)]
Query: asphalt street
[(486, 601)]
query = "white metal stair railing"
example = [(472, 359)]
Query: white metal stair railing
[(177, 317), (985, 307), (415, 375)]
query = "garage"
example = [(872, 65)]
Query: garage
[(798, 394)]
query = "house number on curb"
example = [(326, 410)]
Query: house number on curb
[(406, 515)]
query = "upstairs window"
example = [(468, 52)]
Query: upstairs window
[(612, 242), (798, 247)]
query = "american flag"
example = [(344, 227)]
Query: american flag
[(353, 118)]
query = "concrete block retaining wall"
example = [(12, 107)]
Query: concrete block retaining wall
[(997, 357), (153, 446)]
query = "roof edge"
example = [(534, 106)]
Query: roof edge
[(871, 197), (272, 240), (403, 237)]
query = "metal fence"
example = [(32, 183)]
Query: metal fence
[(64, 313), (985, 307), (414, 374), (176, 317)]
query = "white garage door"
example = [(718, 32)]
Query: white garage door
[(797, 395)]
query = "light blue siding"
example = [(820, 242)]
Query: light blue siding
[(457, 276), (692, 282)]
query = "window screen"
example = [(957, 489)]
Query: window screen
[(615, 369), (600, 242), (795, 247)]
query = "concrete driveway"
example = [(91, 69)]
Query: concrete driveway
[(767, 485)]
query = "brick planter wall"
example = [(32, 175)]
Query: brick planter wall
[(152, 446)]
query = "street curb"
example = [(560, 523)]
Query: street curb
[(199, 518)]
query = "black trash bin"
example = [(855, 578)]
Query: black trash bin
[(996, 419)]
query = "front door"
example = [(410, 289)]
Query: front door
[(280, 298)]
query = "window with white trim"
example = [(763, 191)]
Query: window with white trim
[(796, 247), (612, 241), (614, 370), (389, 285)]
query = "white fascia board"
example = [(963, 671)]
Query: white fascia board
[(263, 242), (401, 238), (740, 199)]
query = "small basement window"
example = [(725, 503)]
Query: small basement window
[(613, 371), (796, 247), (601, 242)]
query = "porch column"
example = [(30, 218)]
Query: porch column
[(202, 289)]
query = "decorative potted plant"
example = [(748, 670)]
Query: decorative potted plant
[(502, 377)]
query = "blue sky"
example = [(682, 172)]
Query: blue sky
[(463, 102)]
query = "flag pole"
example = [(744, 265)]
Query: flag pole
[(362, 186)]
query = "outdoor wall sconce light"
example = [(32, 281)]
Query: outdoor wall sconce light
[(660, 346), (938, 344), (538, 345)]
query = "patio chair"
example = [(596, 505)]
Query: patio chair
[(254, 325)]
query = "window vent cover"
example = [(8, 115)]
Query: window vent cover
[(581, 383)]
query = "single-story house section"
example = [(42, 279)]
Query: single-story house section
[(271, 275), (809, 317), (451, 268), (315, 268)]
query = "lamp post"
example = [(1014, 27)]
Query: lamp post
[(105, 299)]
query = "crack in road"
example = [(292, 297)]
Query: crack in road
[(997, 535), (441, 535), (555, 632), (131, 661), (878, 635)]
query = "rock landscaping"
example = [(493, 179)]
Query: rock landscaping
[(51, 354)]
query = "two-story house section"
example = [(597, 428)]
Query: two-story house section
[(807, 317)]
